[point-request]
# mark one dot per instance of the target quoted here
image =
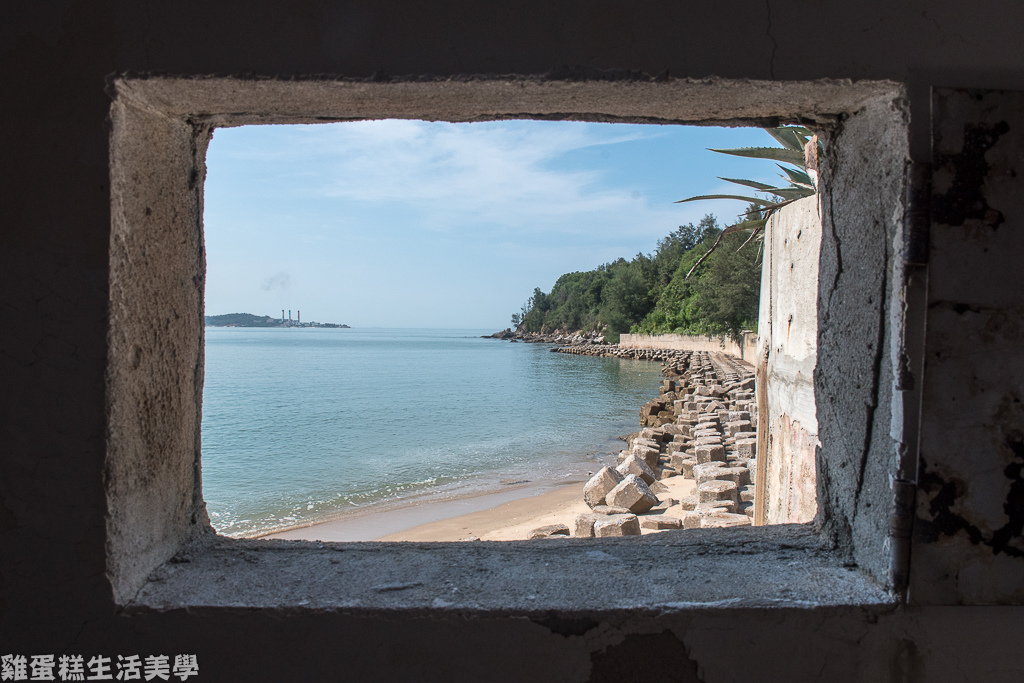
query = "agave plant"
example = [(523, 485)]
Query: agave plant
[(794, 140)]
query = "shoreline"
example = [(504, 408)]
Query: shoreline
[(497, 487), (404, 513), (373, 525), (704, 405)]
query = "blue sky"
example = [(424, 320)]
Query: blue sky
[(421, 224)]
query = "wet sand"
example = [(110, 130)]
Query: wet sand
[(502, 516)]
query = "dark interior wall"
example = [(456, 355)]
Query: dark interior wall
[(55, 58)]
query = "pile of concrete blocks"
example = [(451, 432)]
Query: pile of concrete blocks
[(616, 497), (702, 426), (709, 435), (716, 412)]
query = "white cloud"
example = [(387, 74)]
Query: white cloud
[(454, 176)]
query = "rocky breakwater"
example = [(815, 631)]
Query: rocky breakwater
[(556, 337), (703, 427)]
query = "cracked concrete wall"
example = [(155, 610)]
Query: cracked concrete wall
[(859, 316), (55, 593), (788, 341)]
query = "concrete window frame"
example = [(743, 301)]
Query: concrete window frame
[(161, 549)]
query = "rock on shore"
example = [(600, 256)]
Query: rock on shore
[(701, 426)]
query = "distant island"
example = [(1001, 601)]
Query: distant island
[(250, 320)]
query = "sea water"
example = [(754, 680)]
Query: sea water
[(304, 424)]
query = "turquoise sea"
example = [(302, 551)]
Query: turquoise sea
[(302, 424)]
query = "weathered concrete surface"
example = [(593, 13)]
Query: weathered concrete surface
[(157, 262), (787, 345), (860, 317), (787, 564), (743, 347), (56, 594), (969, 531)]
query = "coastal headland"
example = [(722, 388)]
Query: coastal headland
[(250, 320), (692, 464)]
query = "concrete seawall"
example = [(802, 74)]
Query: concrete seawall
[(743, 346)]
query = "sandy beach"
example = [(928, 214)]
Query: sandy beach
[(695, 434), (502, 516)]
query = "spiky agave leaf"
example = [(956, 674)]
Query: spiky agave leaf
[(788, 137), (793, 139), (795, 192), (788, 156), (797, 176), (755, 228), (739, 227), (749, 183), (782, 192), (752, 200)]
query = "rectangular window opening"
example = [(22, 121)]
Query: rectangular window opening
[(160, 547), (415, 423)]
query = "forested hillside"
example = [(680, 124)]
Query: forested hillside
[(651, 294)]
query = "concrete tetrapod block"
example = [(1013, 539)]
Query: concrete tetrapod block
[(688, 464), (689, 502), (550, 531), (661, 522), (600, 484), (667, 472), (657, 487), (721, 520), (634, 494), (691, 519), (648, 443), (583, 526), (672, 431), (609, 510), (634, 465), (738, 475), (737, 426), (617, 525), (708, 441), (703, 472), (710, 453), (665, 504), (718, 505), (647, 454), (715, 490), (746, 448)]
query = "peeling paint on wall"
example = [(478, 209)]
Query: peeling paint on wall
[(969, 526), (789, 329)]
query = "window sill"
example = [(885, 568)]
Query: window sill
[(779, 566)]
